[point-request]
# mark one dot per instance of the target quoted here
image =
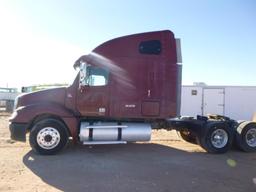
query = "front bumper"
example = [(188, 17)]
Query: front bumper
[(18, 131)]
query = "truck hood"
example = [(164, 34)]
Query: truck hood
[(55, 95)]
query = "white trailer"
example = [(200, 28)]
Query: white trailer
[(236, 102)]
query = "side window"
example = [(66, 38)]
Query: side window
[(97, 76), (152, 47)]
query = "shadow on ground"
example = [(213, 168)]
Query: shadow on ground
[(141, 167)]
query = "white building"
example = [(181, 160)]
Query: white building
[(236, 102)]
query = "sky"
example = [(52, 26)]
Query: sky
[(41, 39)]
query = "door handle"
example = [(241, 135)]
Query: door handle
[(149, 92)]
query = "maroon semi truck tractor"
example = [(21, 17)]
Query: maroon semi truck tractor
[(124, 88)]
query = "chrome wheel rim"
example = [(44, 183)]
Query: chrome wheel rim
[(250, 137), (48, 138), (219, 138)]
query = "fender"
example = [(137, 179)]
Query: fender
[(26, 115)]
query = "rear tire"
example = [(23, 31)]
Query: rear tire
[(246, 136), (48, 136), (217, 137), (188, 137)]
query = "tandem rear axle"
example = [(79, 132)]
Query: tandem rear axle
[(215, 133)]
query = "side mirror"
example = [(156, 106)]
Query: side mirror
[(84, 75), (83, 81)]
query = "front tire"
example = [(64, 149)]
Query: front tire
[(48, 136)]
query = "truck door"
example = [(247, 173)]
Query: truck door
[(213, 101), (92, 98), (151, 93)]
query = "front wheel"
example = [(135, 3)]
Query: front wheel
[(217, 138), (48, 136)]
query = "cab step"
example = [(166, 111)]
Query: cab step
[(103, 142)]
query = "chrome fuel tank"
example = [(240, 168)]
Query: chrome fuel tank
[(112, 131)]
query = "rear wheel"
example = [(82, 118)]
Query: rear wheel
[(48, 136), (246, 136), (188, 136), (217, 138)]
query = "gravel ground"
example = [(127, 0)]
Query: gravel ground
[(165, 164)]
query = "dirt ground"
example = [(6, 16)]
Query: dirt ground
[(165, 164)]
